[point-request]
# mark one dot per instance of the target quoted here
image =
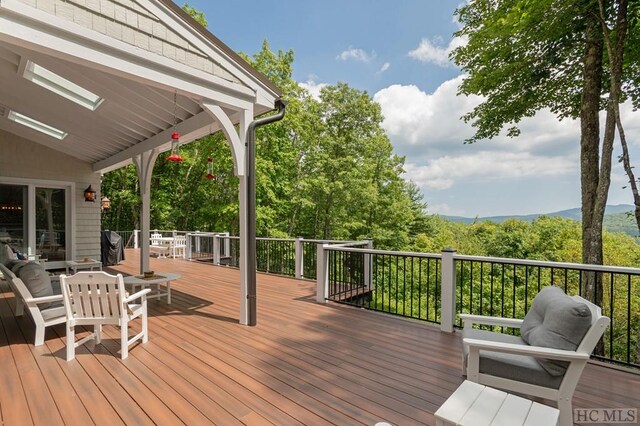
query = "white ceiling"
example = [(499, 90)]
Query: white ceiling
[(130, 113)]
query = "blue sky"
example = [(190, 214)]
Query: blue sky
[(397, 52)]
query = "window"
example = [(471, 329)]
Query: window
[(36, 125), (36, 218), (60, 85)]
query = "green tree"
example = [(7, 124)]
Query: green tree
[(326, 171), (524, 56), (196, 14)]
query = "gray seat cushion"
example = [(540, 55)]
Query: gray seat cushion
[(555, 321), (514, 367)]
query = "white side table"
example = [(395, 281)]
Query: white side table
[(479, 405), (137, 282), (90, 264)]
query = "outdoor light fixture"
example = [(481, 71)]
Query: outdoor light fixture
[(210, 174), (90, 195), (175, 156), (105, 204)]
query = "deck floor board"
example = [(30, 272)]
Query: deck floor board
[(304, 363)]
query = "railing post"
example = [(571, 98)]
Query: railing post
[(216, 250), (136, 236), (367, 264), (322, 274), (299, 259), (197, 242), (448, 291), (227, 244)]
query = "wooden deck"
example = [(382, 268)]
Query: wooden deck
[(304, 363)]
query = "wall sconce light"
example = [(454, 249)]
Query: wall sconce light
[(105, 204), (90, 194)]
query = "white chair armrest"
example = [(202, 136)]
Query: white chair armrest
[(486, 320), (137, 295), (43, 299), (535, 351)]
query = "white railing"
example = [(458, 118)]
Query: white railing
[(438, 287)]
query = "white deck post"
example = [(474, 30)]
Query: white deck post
[(245, 119), (216, 249), (322, 275), (367, 264), (299, 259), (136, 240), (144, 164), (242, 204), (227, 244), (237, 141), (448, 290)]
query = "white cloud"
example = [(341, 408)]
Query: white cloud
[(432, 52), (423, 125), (384, 67), (313, 88), (444, 209), (427, 129), (444, 172), (537, 170), (357, 55), (413, 117)]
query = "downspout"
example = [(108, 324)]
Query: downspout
[(251, 207)]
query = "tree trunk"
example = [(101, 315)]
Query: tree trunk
[(615, 67), (591, 177)]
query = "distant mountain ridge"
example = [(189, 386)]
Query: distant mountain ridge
[(615, 220)]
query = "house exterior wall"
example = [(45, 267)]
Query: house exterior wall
[(129, 22), (23, 159)]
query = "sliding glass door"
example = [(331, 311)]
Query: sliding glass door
[(51, 223), (35, 219), (13, 216)]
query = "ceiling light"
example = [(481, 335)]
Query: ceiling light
[(36, 125), (61, 86)]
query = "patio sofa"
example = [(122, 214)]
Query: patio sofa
[(34, 289)]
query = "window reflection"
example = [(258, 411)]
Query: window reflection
[(50, 224), (13, 216)]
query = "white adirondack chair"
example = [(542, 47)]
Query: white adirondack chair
[(179, 246), (98, 298), (43, 310), (507, 362)]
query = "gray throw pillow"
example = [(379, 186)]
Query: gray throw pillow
[(6, 254), (555, 321), (36, 279)]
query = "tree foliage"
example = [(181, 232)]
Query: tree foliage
[(196, 14), (524, 56), (327, 170)]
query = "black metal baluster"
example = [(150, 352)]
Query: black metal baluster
[(420, 287), (611, 327)]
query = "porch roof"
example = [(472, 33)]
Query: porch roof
[(136, 56)]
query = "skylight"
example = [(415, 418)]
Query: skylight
[(63, 87), (36, 125)]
